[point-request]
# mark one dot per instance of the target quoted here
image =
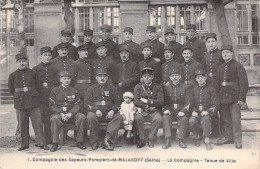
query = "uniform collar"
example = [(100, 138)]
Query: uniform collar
[(170, 61), (214, 50), (64, 58), (175, 85), (23, 70), (189, 62), (45, 64), (127, 41), (193, 39), (229, 62), (152, 40), (172, 42), (83, 60), (148, 59), (65, 88)]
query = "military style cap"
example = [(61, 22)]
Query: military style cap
[(169, 30), (101, 71), (191, 26), (145, 44), (147, 70), (106, 27), (100, 44), (227, 47), (83, 47), (128, 29), (200, 72), (45, 49), (128, 94), (123, 48), (65, 73), (169, 48), (65, 32), (211, 35), (88, 32), (175, 70), (62, 45), (151, 28), (20, 56), (186, 47)]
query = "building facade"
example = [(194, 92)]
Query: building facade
[(44, 21)]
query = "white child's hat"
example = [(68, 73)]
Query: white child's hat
[(128, 94)]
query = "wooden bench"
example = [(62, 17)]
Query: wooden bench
[(102, 126)]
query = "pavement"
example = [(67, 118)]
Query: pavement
[(128, 156)]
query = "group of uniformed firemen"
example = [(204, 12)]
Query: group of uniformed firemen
[(202, 90)]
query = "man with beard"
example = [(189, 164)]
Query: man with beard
[(170, 37), (102, 102), (169, 65), (24, 85), (65, 105), (148, 96), (66, 39)]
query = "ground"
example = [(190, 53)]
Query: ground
[(128, 156)]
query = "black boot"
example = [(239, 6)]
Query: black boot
[(167, 143), (54, 147)]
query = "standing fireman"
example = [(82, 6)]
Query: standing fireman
[(88, 36), (232, 86), (48, 76), (24, 85)]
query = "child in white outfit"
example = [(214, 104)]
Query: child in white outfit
[(127, 111)]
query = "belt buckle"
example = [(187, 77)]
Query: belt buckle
[(175, 106), (25, 89), (186, 82), (210, 74), (200, 108), (224, 84), (64, 108), (103, 102)]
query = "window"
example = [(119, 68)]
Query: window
[(200, 17), (3, 21), (83, 19), (29, 42), (29, 20), (247, 24), (155, 17), (185, 16), (170, 17), (3, 42)]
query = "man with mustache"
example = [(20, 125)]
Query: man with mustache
[(88, 43), (102, 102)]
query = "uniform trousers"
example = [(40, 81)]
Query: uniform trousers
[(78, 119), (45, 114), (182, 125), (112, 126), (230, 117), (35, 115), (155, 118), (201, 121)]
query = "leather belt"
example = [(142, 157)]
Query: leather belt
[(47, 85), (102, 103), (229, 84), (175, 105), (202, 108), (24, 89), (83, 81)]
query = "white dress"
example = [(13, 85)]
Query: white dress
[(128, 110)]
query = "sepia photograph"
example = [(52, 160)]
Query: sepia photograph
[(144, 84)]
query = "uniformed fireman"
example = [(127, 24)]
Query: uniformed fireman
[(135, 54), (66, 39), (176, 46), (48, 76), (198, 46), (105, 62), (88, 43), (169, 65), (190, 65), (112, 47), (64, 102), (128, 73), (24, 85), (148, 61), (149, 97), (176, 108), (213, 61), (156, 45), (102, 102), (204, 104), (64, 62), (232, 86)]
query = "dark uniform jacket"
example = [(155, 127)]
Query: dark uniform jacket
[(65, 64), (204, 98), (213, 61), (135, 53), (103, 98), (232, 72), (49, 78), (198, 48), (177, 98), (189, 69), (25, 79), (112, 49), (108, 64), (128, 75), (73, 52), (92, 54), (166, 69), (154, 94), (157, 49), (64, 100), (177, 48), (149, 62), (83, 74)]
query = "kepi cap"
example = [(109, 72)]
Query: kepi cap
[(65, 31), (123, 48), (147, 70), (65, 73), (151, 28), (106, 27), (128, 29), (169, 48), (211, 35), (145, 44), (227, 47), (88, 32), (175, 70), (45, 49), (169, 30), (62, 45), (101, 71), (83, 47), (200, 72), (186, 47), (20, 56), (191, 26)]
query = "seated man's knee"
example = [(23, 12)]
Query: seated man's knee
[(55, 118), (192, 121), (138, 117), (91, 116)]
